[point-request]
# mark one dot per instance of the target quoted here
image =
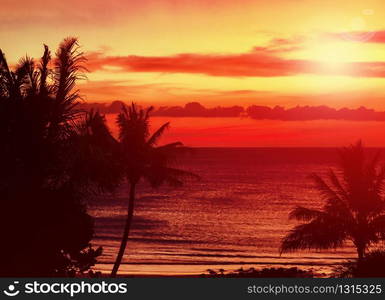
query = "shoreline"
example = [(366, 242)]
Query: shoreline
[(150, 270)]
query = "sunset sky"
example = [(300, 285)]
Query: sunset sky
[(217, 52)]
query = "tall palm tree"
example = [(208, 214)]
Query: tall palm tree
[(140, 158), (354, 208)]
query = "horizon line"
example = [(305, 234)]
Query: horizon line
[(253, 111)]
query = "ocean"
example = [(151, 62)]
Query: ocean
[(235, 216)]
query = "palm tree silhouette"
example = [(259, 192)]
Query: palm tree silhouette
[(139, 157), (354, 208), (40, 187)]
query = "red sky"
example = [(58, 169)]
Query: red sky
[(245, 132), (217, 52)]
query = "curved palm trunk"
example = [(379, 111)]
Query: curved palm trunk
[(360, 247), (130, 213), (361, 252)]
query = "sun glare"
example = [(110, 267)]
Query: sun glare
[(335, 57)]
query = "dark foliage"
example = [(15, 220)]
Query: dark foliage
[(372, 265), (261, 273), (354, 208), (44, 227)]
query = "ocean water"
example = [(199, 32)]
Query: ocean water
[(235, 216)]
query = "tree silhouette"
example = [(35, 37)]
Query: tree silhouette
[(139, 157), (44, 225), (354, 208)]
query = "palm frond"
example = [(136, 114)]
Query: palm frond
[(97, 163), (4, 68), (354, 207), (379, 181), (27, 75), (153, 140), (158, 175), (44, 71), (133, 125), (321, 233), (332, 197), (148, 111), (9, 85), (340, 190), (69, 67), (171, 146), (173, 152), (304, 214), (352, 163), (378, 226), (96, 123), (178, 173), (20, 80)]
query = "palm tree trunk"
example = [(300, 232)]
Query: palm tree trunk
[(130, 213), (361, 251)]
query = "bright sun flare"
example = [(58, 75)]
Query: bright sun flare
[(336, 57)]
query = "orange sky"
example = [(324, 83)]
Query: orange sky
[(278, 52), (217, 52)]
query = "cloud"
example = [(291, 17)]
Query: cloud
[(375, 37), (112, 89), (282, 45), (378, 37), (256, 63), (260, 62)]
